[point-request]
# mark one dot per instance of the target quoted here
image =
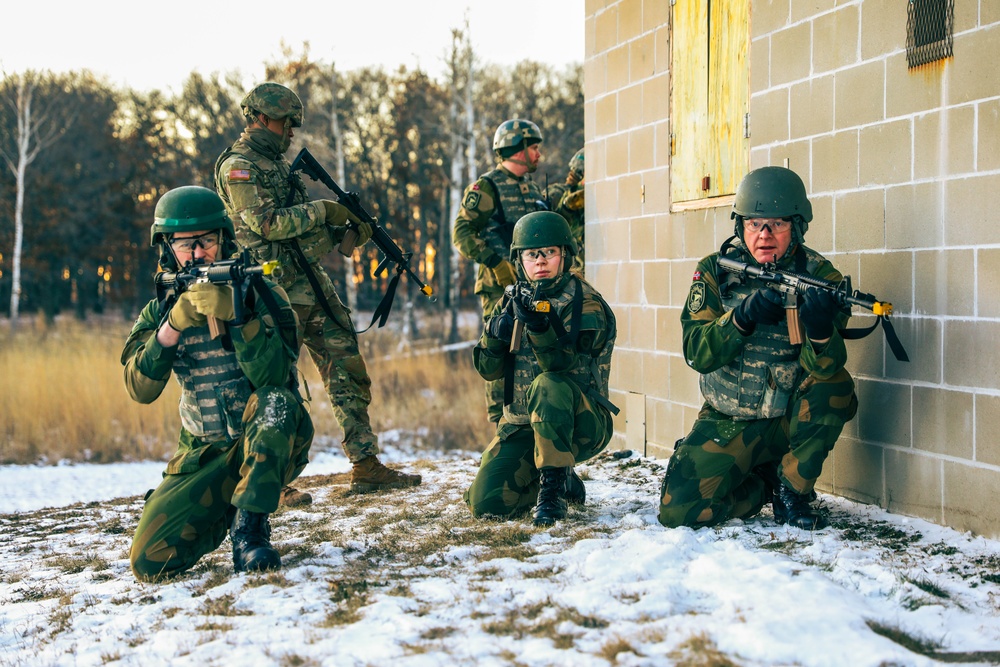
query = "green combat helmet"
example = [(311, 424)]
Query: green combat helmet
[(190, 208), (576, 165), (275, 101), (772, 192), (541, 229), (514, 136)]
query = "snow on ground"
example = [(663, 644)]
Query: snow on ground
[(409, 578)]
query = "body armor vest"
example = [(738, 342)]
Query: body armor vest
[(273, 176), (515, 199), (214, 390), (759, 383), (590, 373)]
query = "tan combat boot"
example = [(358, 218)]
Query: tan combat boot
[(370, 475), (293, 497)]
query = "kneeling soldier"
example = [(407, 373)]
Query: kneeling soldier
[(556, 410), (244, 431)]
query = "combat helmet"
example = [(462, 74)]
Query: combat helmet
[(541, 229), (514, 136), (576, 164), (190, 208), (275, 101), (772, 192)]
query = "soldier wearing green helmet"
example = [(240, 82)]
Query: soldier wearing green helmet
[(245, 433), (276, 220), (556, 412), (567, 199), (773, 409), (490, 208)]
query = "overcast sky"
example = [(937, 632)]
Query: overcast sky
[(149, 45)]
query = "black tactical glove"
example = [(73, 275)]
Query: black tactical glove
[(501, 327), (765, 306), (819, 308), (533, 320)]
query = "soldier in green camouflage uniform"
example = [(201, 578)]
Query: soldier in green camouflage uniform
[(490, 208), (276, 221), (244, 431), (559, 413), (567, 200), (773, 411)]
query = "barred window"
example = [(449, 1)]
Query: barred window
[(928, 31)]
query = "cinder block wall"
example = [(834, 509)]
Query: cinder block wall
[(903, 169)]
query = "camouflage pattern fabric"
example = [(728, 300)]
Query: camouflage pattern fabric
[(566, 428), (188, 514), (252, 179), (571, 207), (709, 478)]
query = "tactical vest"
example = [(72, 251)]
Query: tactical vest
[(590, 373), (759, 383), (273, 176), (214, 390), (515, 199)]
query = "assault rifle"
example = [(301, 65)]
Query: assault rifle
[(790, 285), (527, 296), (392, 254), (236, 272)]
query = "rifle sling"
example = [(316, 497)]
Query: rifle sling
[(890, 336), (300, 259)]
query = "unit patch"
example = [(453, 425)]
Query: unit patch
[(239, 175), (471, 200), (696, 297)]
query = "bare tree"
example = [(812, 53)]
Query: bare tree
[(350, 286), (36, 130)]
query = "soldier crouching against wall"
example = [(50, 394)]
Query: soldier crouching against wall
[(244, 431), (773, 410), (556, 411)]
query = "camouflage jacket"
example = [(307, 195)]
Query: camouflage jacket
[(586, 360), (215, 381), (490, 208), (252, 178), (750, 377)]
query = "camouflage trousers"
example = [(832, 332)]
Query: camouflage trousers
[(333, 346), (188, 514), (566, 428), (709, 477), (494, 388)]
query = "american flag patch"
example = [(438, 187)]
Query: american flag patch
[(239, 174), (697, 276)]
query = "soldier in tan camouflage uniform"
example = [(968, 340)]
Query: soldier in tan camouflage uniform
[(557, 378), (567, 199), (490, 208), (276, 221), (773, 411), (244, 431)]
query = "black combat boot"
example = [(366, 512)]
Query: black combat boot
[(550, 506), (576, 492), (251, 536), (794, 509)]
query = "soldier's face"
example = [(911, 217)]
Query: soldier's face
[(532, 155), (768, 244), (541, 263), (196, 247)]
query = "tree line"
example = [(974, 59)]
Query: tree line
[(80, 180)]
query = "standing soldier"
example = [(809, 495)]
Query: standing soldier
[(490, 208), (244, 431), (558, 413), (773, 409), (276, 221), (566, 199)]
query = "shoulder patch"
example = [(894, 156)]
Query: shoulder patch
[(697, 276), (696, 297), (239, 175), (472, 198)]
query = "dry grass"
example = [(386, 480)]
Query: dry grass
[(62, 395)]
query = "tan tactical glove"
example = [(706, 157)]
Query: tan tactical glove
[(212, 300), (364, 232), (504, 273), (184, 315), (337, 215)]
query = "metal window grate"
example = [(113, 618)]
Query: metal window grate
[(928, 31)]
